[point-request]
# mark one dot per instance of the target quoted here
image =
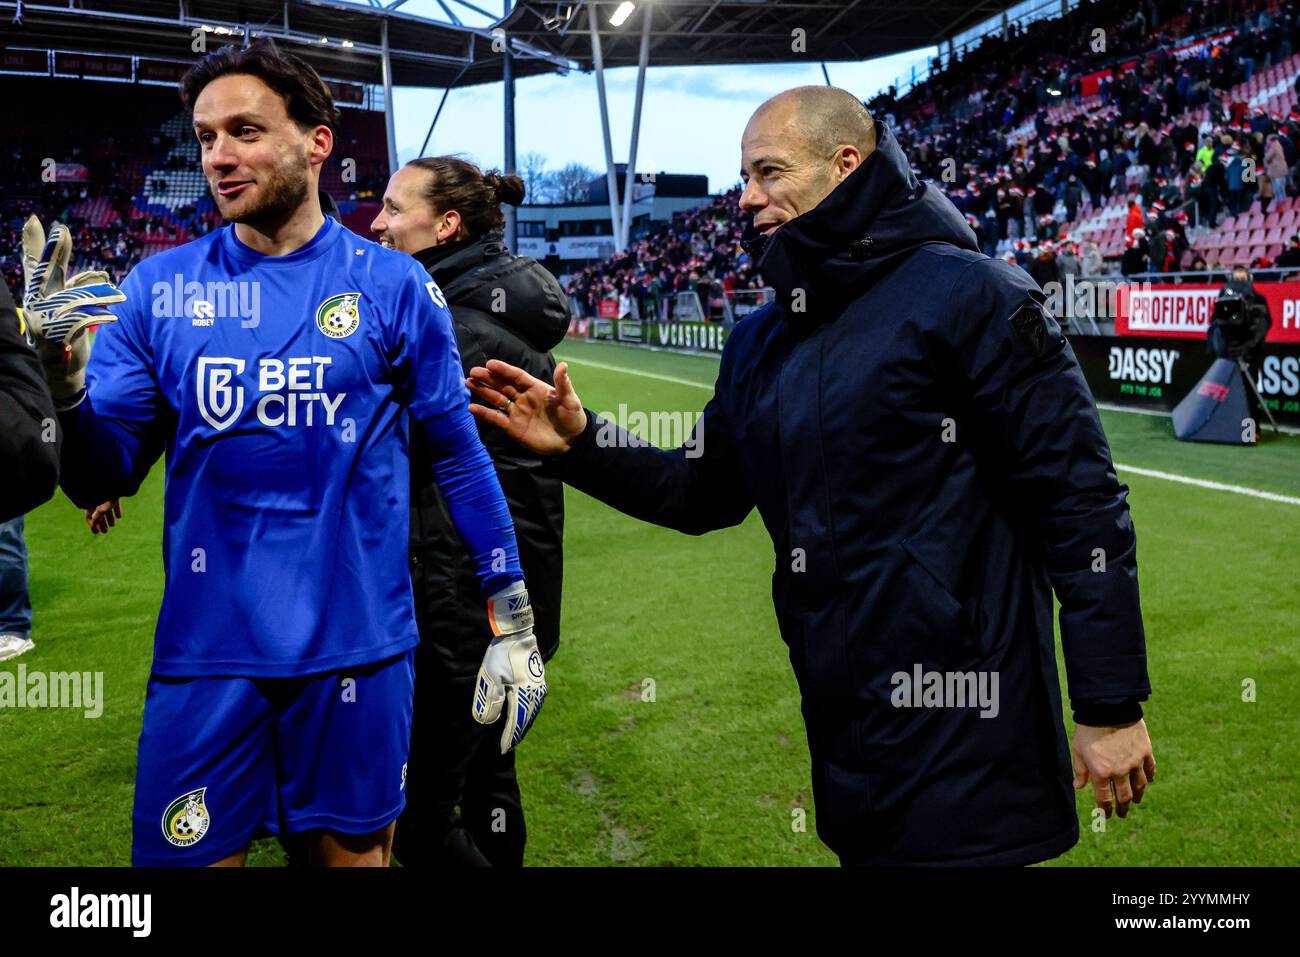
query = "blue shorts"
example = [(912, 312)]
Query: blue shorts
[(225, 760)]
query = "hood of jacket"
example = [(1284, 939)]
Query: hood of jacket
[(470, 272), (820, 261)]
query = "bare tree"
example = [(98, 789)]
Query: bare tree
[(569, 185), (532, 170)]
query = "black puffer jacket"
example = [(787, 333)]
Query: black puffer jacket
[(927, 458), (30, 466), (510, 308)]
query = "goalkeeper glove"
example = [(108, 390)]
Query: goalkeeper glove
[(511, 674), (57, 309)]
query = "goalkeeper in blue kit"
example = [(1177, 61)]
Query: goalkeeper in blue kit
[(279, 362)]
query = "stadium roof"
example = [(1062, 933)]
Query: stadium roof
[(423, 52), (704, 32)]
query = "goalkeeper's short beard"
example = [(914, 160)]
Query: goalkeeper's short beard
[(282, 196)]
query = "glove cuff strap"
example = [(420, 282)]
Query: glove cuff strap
[(68, 403), (510, 611)]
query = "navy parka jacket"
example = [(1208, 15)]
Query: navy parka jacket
[(916, 434)]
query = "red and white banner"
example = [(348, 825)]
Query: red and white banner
[(1184, 311), (1194, 48), (1185, 50)]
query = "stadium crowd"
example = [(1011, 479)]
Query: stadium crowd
[(1167, 142), (99, 192), (698, 251), (980, 128), (95, 206)]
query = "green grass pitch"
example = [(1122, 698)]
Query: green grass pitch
[(710, 770)]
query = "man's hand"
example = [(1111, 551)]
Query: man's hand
[(511, 674), (537, 415), (103, 517), (1119, 761), (58, 310)]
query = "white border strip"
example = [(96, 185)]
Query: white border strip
[(640, 372), (1205, 483)]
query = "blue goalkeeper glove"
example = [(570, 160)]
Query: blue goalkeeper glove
[(57, 309), (511, 674)]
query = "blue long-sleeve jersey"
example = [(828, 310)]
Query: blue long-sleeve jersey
[(281, 389)]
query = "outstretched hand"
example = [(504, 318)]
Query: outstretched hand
[(539, 416), (1118, 760)]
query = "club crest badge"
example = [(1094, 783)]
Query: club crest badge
[(186, 819), (338, 316)]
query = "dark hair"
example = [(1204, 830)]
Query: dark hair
[(477, 196), (306, 97)]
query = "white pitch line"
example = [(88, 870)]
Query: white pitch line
[(648, 375), (1205, 483), (1149, 473)]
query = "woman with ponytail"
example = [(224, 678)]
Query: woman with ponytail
[(446, 213)]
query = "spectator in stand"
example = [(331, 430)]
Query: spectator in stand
[(1067, 260), (1289, 258), (1264, 186), (1136, 259), (1044, 268), (1275, 165), (1090, 260), (1239, 196), (1134, 220), (1073, 198)]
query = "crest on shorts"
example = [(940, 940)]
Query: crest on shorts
[(338, 316), (186, 819)]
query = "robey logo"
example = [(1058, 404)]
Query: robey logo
[(290, 390)]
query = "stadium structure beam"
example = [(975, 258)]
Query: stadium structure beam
[(451, 14), (948, 31), (437, 113), (705, 15), (642, 62), (508, 102), (386, 66), (286, 34), (611, 176), (831, 22)]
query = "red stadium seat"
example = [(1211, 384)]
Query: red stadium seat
[(1273, 235), (1272, 219)]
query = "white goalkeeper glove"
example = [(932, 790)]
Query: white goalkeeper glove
[(511, 674), (57, 309)]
